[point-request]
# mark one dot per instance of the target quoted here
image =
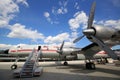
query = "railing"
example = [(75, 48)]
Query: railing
[(32, 57)]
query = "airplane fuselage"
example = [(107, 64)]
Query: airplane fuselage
[(51, 52), (46, 51)]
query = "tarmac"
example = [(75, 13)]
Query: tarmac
[(74, 71)]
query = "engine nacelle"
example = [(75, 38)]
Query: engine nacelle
[(80, 57), (75, 57), (71, 57), (102, 32)]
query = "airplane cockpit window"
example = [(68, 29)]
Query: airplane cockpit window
[(18, 46), (46, 47)]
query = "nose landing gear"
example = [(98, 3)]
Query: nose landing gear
[(14, 66)]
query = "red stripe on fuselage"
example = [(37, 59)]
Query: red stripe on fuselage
[(30, 50), (102, 52)]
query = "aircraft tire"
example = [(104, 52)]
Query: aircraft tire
[(65, 63), (87, 65), (90, 65), (14, 66)]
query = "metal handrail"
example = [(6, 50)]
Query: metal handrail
[(28, 59)]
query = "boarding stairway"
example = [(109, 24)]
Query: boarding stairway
[(30, 64)]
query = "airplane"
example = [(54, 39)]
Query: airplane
[(104, 36), (53, 52), (60, 52)]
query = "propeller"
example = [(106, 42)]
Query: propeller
[(105, 48), (60, 51), (79, 38), (90, 22), (91, 15), (89, 32)]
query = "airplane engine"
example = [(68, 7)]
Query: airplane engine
[(104, 32), (80, 57), (100, 32), (71, 57), (75, 57)]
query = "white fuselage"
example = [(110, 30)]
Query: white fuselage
[(47, 51)]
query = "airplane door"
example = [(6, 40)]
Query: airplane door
[(39, 47)]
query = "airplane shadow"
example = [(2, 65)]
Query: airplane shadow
[(81, 69), (77, 72), (63, 76)]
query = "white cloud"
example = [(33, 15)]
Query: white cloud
[(56, 10), (66, 44), (5, 46), (62, 9), (23, 2), (74, 35), (8, 8), (3, 23), (69, 44), (79, 20), (57, 39), (111, 23), (8, 46), (76, 6), (46, 14), (20, 31)]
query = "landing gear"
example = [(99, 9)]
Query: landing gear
[(65, 63), (90, 65), (102, 61), (106, 61), (14, 66), (118, 58)]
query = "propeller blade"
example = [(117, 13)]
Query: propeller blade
[(91, 15), (105, 48), (60, 51), (79, 38), (62, 46)]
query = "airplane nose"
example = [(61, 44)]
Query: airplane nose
[(89, 31)]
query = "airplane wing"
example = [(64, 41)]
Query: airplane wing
[(89, 51)]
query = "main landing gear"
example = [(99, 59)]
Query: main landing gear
[(65, 62), (90, 65)]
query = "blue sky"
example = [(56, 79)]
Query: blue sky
[(51, 21)]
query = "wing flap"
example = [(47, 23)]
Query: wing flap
[(90, 50)]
